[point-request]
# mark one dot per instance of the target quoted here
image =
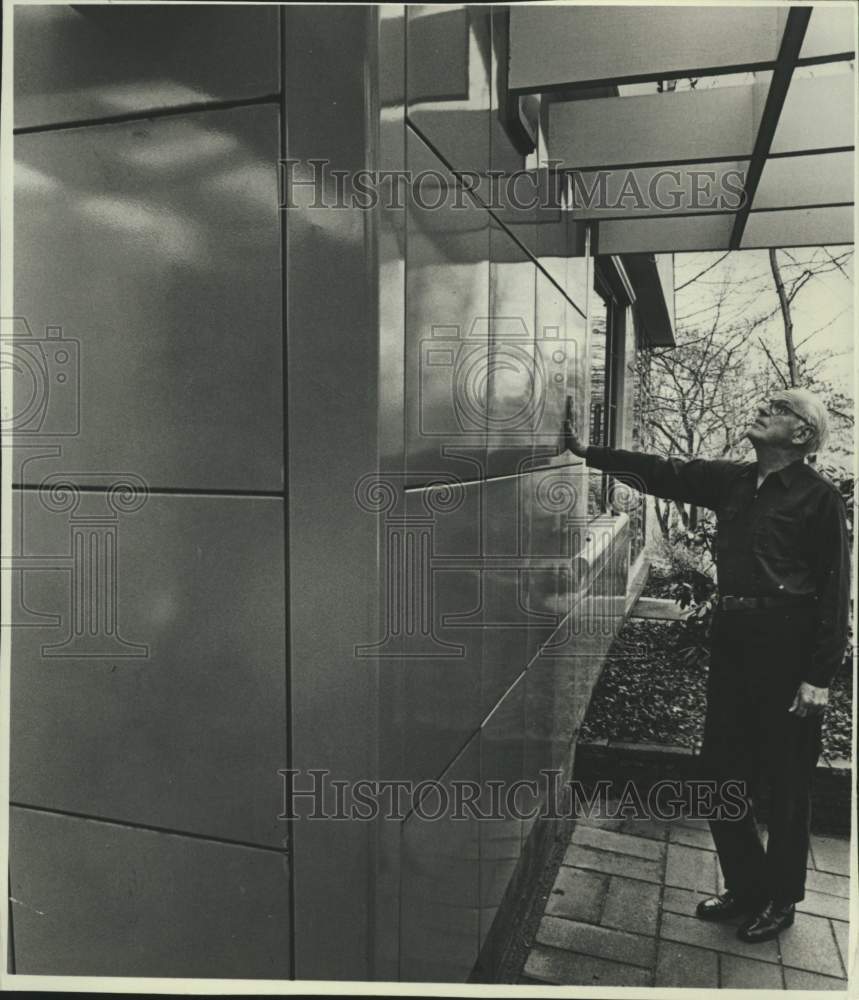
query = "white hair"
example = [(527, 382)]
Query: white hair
[(813, 411)]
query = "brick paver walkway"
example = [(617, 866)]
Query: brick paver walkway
[(621, 913)]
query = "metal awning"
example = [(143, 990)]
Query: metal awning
[(760, 153)]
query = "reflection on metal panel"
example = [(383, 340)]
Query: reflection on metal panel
[(516, 386), (76, 63), (552, 498), (162, 637), (507, 617), (438, 53), (434, 572), (440, 887), (126, 902), (560, 680), (447, 296), (333, 375), (557, 355), (448, 81), (173, 305), (391, 282), (501, 761)]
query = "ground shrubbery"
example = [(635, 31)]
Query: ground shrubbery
[(651, 691)]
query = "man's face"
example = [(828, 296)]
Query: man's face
[(777, 424)]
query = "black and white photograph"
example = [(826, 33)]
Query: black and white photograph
[(427, 498)]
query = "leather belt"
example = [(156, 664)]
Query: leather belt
[(730, 602)]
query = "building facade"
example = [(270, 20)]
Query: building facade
[(299, 502)]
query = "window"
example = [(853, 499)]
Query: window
[(607, 333)]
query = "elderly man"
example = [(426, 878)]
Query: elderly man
[(779, 634)]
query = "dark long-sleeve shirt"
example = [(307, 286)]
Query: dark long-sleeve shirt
[(787, 538)]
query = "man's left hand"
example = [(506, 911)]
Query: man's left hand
[(809, 700)]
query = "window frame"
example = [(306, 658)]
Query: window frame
[(609, 288)]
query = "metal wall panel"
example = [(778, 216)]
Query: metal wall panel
[(501, 760), (333, 376), (448, 63), (446, 348), (391, 297), (173, 306), (499, 551), (192, 211), (97, 899), (76, 63), (441, 886), (555, 688), (515, 394), (554, 499), (442, 668), (447, 341), (504, 154), (561, 679), (148, 659), (164, 706), (557, 361), (507, 629)]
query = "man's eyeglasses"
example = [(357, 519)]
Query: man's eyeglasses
[(781, 409)]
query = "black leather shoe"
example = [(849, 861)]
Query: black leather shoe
[(767, 923), (727, 905)]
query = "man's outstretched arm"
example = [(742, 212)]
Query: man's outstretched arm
[(697, 481)]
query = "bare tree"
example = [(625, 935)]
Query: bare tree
[(787, 320), (698, 394)]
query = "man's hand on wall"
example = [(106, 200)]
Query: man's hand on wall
[(571, 438), (809, 700)]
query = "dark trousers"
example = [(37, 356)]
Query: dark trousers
[(756, 666)]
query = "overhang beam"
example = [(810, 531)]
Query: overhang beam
[(699, 126), (791, 45), (556, 47)]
